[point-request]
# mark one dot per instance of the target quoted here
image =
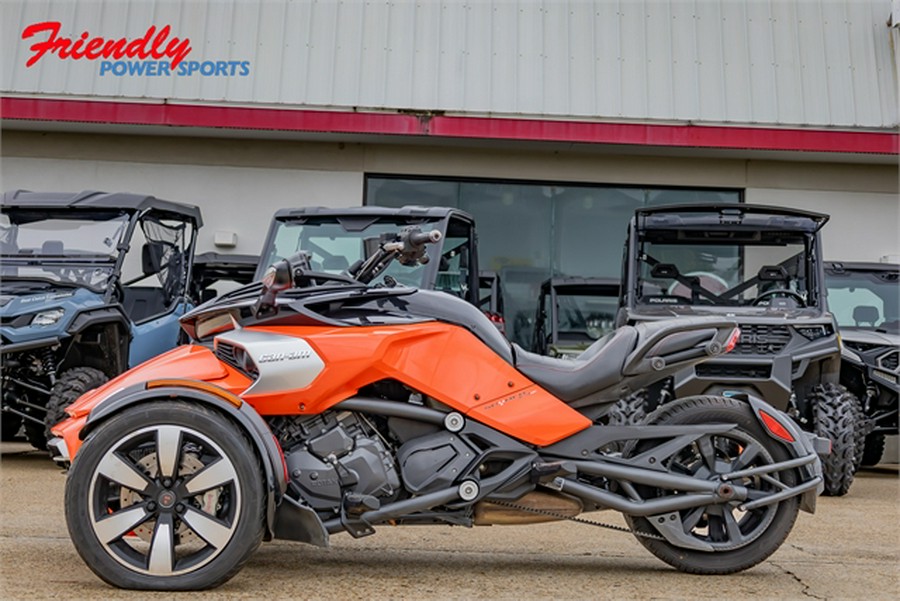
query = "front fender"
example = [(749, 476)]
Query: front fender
[(239, 412)]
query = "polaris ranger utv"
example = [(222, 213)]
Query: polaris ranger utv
[(762, 266), (572, 313), (865, 300), (336, 239), (92, 284)]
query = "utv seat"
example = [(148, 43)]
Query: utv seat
[(143, 302), (598, 367)]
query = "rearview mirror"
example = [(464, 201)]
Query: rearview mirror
[(278, 277)]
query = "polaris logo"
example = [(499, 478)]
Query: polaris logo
[(292, 356), (751, 338)]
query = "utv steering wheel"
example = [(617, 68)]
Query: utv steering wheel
[(779, 292)]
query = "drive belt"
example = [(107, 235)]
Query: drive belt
[(577, 520)]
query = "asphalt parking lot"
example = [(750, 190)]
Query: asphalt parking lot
[(850, 549)]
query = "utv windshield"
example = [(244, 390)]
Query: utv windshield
[(866, 300), (70, 249), (334, 245), (583, 317), (726, 269)]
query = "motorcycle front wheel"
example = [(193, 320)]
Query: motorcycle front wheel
[(736, 539), (165, 496)]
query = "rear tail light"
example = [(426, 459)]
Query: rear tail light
[(775, 428), (732, 340), (497, 320)]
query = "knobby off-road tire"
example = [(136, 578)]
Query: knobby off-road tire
[(35, 433), (873, 450), (835, 415), (10, 424), (629, 411), (71, 384), (166, 495), (740, 540)]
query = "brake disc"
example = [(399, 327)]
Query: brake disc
[(207, 502)]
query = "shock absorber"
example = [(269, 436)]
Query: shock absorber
[(48, 363)]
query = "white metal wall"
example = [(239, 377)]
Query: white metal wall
[(784, 62), (242, 196)]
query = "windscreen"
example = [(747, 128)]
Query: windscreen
[(69, 248), (333, 247), (583, 317), (865, 300), (732, 269)]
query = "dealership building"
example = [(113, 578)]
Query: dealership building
[(549, 121)]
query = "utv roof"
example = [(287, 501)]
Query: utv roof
[(841, 266), (729, 216), (93, 200), (372, 212)]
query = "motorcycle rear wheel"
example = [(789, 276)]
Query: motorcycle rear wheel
[(740, 540), (165, 496)]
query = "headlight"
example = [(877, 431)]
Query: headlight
[(814, 332), (47, 318)]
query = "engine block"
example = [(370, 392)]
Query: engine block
[(333, 454)]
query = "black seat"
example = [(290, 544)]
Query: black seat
[(598, 367)]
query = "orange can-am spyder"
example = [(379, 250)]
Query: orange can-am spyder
[(313, 404)]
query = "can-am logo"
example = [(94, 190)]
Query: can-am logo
[(156, 44)]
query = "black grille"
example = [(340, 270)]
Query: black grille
[(890, 361), (225, 352), (754, 372), (862, 347), (762, 339), (237, 358)]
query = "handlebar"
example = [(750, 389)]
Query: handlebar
[(417, 238)]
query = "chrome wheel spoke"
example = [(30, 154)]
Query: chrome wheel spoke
[(119, 524), (162, 548), (168, 450), (212, 476), (114, 468), (212, 531)]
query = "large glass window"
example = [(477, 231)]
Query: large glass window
[(529, 232)]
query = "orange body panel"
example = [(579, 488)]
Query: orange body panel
[(443, 361)]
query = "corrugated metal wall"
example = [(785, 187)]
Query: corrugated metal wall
[(785, 62)]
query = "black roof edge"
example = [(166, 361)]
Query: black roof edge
[(821, 218), (94, 199), (860, 266), (373, 211)]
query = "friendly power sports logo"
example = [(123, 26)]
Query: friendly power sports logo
[(156, 53)]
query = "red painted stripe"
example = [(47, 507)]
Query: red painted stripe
[(181, 115)]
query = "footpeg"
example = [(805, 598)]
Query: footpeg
[(544, 472), (353, 514), (356, 504)]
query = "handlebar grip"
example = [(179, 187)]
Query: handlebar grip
[(419, 238)]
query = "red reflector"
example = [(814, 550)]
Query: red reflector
[(733, 340), (775, 428)]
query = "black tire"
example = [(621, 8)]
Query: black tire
[(629, 411), (762, 530), (861, 429), (70, 385), (35, 434), (873, 450), (10, 424), (835, 415), (129, 513)]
